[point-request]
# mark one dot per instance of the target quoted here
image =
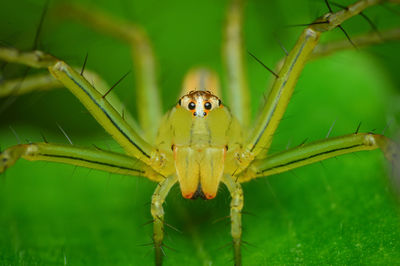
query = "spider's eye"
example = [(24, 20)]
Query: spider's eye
[(192, 106), (219, 102), (207, 105)]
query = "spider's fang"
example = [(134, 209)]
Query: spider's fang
[(199, 193)]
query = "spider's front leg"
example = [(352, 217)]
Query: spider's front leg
[(45, 81), (157, 212), (321, 150), (236, 192), (103, 112), (93, 158), (279, 96), (145, 66), (93, 99)]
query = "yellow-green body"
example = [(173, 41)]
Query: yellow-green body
[(199, 149)]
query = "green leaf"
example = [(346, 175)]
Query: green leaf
[(342, 211)]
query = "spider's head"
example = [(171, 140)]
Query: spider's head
[(199, 103)]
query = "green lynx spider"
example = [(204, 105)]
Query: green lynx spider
[(200, 142)]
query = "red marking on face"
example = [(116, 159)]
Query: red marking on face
[(199, 103)]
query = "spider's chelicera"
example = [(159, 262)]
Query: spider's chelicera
[(199, 143)]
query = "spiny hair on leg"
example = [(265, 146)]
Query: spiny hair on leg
[(116, 83)]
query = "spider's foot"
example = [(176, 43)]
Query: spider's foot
[(237, 252)]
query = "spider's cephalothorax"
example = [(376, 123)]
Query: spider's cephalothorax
[(197, 134)]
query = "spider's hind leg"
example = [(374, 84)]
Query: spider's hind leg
[(145, 68), (45, 81), (234, 60)]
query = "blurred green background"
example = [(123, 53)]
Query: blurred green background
[(343, 211)]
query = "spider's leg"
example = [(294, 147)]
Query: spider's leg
[(147, 91), (233, 54), (35, 59), (318, 151), (236, 192), (109, 118), (360, 41), (281, 92), (157, 212), (45, 81), (86, 157), (103, 112), (31, 83)]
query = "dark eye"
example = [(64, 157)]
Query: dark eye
[(219, 102), (191, 106), (207, 105)]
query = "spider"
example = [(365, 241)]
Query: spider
[(201, 142)]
